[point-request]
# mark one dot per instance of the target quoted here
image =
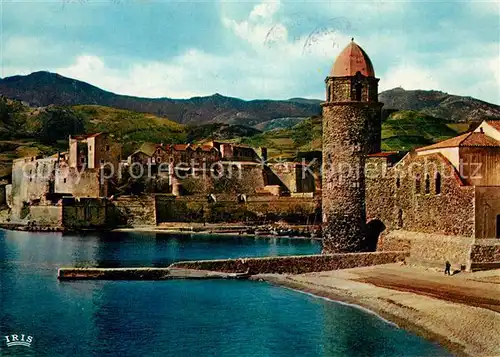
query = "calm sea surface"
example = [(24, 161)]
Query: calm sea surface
[(175, 318)]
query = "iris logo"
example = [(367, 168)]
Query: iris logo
[(18, 340)]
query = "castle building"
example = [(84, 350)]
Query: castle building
[(351, 131), (440, 202)]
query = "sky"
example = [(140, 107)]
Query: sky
[(253, 50)]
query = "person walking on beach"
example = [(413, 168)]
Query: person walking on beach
[(447, 268)]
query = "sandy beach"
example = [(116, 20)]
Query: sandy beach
[(461, 312)]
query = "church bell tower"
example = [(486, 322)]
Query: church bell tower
[(351, 130)]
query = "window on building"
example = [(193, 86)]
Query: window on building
[(438, 183), (359, 89), (107, 147), (418, 183), (398, 182), (400, 219), (90, 147), (64, 180), (427, 184), (498, 226)]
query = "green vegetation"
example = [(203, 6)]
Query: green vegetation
[(129, 128), (218, 131), (26, 131), (55, 124), (407, 129), (402, 131)]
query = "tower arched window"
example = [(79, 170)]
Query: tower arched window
[(359, 90), (418, 184), (328, 93), (398, 182), (427, 184), (438, 183), (400, 219)]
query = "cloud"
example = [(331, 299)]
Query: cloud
[(275, 67), (477, 75), (265, 10), (491, 7), (269, 49), (408, 76)]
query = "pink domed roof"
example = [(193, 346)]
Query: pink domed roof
[(352, 60)]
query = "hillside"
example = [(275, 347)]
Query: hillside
[(130, 128), (61, 106), (26, 131), (44, 88), (401, 131), (453, 108), (43, 131)]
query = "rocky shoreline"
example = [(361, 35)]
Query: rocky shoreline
[(464, 329)]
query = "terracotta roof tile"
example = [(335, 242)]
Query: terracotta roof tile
[(480, 139), (85, 136), (180, 147), (384, 154), (352, 60), (464, 140)]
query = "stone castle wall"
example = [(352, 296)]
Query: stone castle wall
[(8, 195), (83, 183), (294, 264), (485, 254), (429, 249), (27, 186), (394, 199), (134, 210), (293, 176), (225, 209), (84, 213), (487, 207), (46, 215)]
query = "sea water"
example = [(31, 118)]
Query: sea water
[(182, 318)]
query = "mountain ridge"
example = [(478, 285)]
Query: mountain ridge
[(44, 88)]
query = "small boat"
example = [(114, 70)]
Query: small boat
[(244, 275)]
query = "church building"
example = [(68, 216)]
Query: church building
[(440, 202)]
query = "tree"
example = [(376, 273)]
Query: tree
[(58, 123)]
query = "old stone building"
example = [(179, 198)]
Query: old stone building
[(182, 164), (442, 201), (93, 151), (351, 130), (175, 154), (38, 181)]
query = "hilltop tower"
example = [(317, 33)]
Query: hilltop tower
[(351, 130)]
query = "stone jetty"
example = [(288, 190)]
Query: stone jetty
[(142, 274)]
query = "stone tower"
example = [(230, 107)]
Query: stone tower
[(351, 130)]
